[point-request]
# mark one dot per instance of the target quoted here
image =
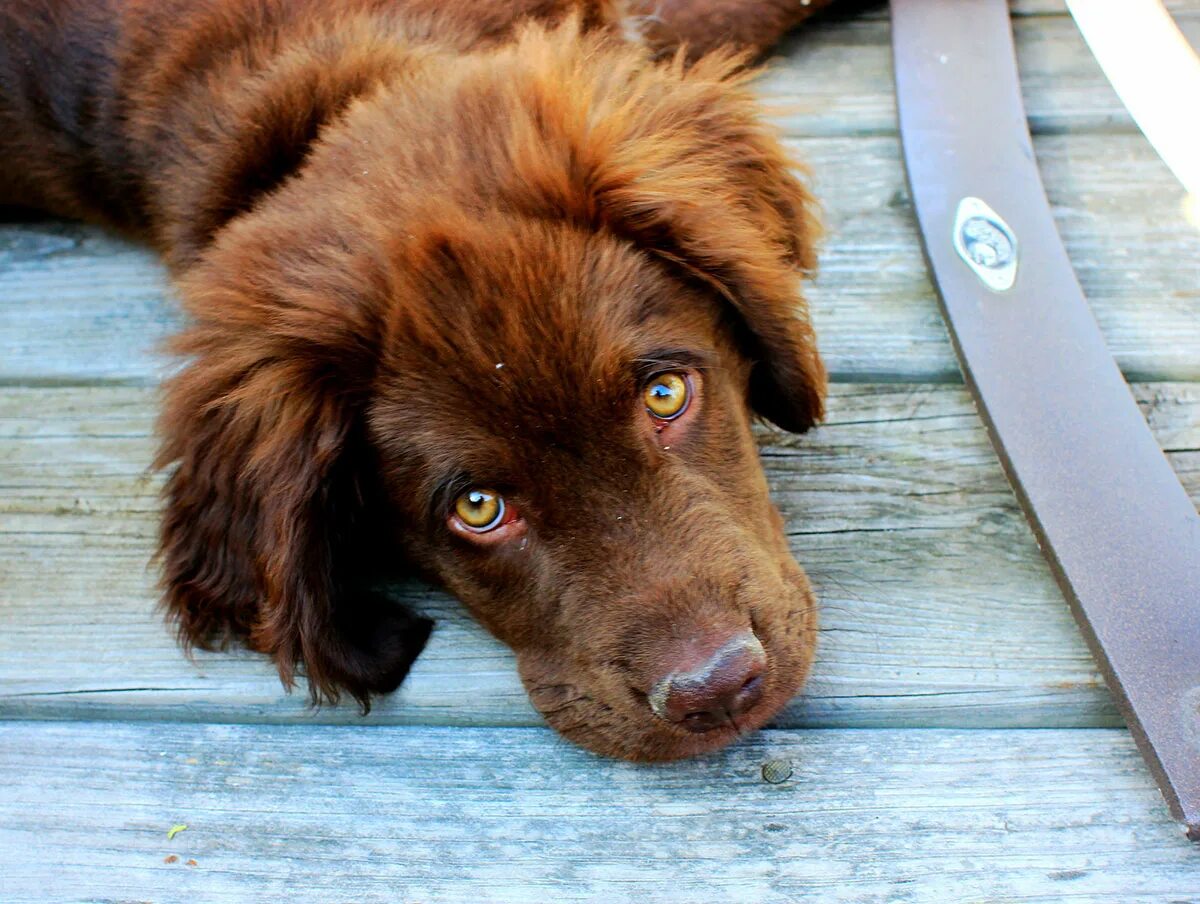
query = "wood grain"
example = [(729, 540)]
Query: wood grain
[(937, 607), (837, 75), (510, 815), (76, 304), (877, 9), (938, 611)]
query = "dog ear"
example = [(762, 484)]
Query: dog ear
[(267, 506), (680, 160), (706, 184)]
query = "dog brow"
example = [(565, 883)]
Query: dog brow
[(664, 359)]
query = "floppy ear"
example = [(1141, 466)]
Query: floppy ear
[(710, 188), (266, 509), (679, 160)]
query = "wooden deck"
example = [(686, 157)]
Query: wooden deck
[(955, 743)]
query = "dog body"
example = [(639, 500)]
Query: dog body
[(478, 289)]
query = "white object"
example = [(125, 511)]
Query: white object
[(1154, 71)]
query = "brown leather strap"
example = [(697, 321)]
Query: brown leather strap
[(1120, 533)]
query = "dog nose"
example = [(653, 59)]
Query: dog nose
[(727, 684)]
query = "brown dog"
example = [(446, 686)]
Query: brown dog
[(477, 288)]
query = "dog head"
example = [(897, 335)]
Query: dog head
[(512, 322)]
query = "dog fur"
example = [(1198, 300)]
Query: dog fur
[(432, 244)]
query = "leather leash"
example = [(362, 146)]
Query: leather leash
[(1119, 531)]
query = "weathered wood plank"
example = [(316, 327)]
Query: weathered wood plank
[(837, 75), (447, 815), (1029, 8), (76, 304), (938, 609), (1117, 208)]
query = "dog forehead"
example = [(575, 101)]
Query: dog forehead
[(501, 274), (529, 331), (520, 309)]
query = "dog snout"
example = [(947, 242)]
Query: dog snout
[(725, 685)]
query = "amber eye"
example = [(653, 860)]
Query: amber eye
[(480, 510), (666, 396)]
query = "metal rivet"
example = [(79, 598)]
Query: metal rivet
[(776, 771), (986, 244)]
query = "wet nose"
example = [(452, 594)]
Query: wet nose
[(713, 693)]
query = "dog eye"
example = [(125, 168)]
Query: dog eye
[(480, 510), (667, 396)]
